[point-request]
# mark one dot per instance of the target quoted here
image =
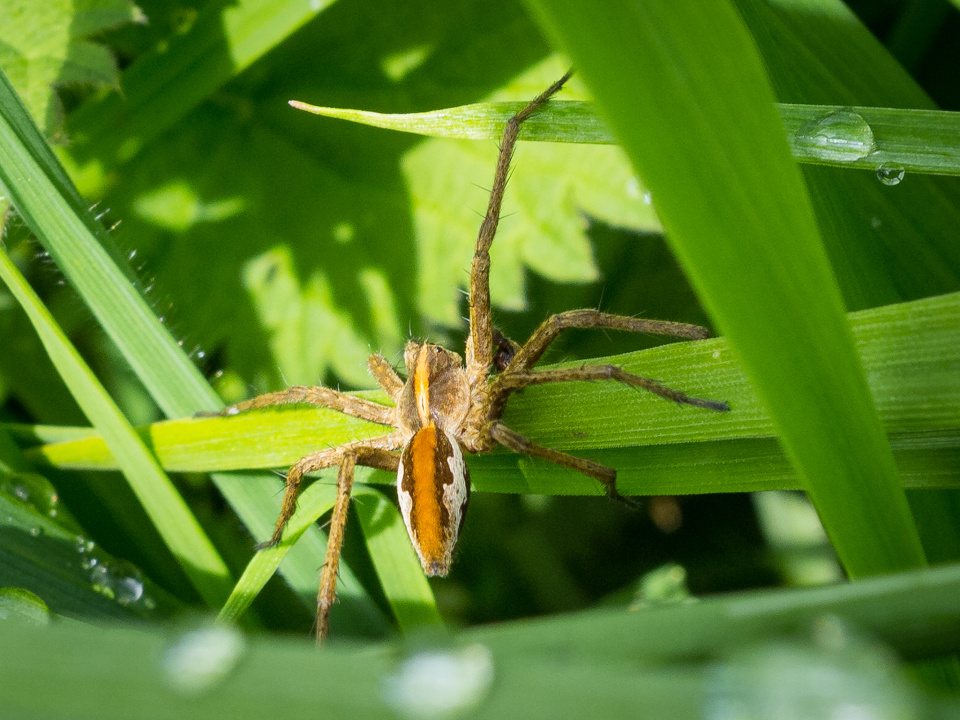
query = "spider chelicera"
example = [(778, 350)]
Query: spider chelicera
[(447, 406)]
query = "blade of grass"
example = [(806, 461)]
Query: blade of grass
[(52, 209), (908, 352), (587, 665), (914, 612), (729, 195), (180, 530), (921, 141), (395, 560)]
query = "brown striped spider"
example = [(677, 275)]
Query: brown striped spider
[(447, 406)]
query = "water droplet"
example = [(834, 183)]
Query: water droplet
[(127, 582), (838, 136), (88, 562), (20, 604), (199, 659), (218, 374), (647, 198), (440, 683), (84, 545), (131, 255), (890, 173), (34, 490), (36, 531), (201, 354)]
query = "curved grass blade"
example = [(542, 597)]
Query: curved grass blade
[(917, 140), (740, 220)]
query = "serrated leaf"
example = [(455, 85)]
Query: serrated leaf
[(42, 45)]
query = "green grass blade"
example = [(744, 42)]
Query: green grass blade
[(908, 352), (49, 205), (170, 514), (919, 141), (601, 664), (395, 560), (316, 500), (72, 576), (730, 196), (878, 606), (396, 563)]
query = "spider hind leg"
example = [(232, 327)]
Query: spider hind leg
[(519, 444)]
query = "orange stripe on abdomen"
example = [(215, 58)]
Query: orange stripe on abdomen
[(428, 513)]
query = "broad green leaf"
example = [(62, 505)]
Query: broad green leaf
[(44, 44)]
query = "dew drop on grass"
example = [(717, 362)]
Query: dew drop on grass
[(20, 604), (439, 684), (838, 136), (890, 173), (198, 659)]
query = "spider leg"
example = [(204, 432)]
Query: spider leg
[(519, 444), (321, 397), (514, 381), (327, 595), (480, 342), (385, 376), (550, 328), (371, 452)]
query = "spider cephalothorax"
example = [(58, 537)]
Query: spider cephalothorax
[(448, 405)]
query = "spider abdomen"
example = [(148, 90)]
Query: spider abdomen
[(433, 487)]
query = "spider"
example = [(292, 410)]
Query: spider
[(448, 405)]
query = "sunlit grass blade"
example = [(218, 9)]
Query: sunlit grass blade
[(170, 514), (48, 204), (918, 141), (908, 352), (739, 218)]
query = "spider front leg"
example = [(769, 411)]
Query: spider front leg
[(321, 397), (480, 343)]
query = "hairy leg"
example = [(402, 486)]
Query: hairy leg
[(373, 453), (480, 343), (321, 397), (510, 382), (550, 328), (327, 594), (519, 444), (385, 376)]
